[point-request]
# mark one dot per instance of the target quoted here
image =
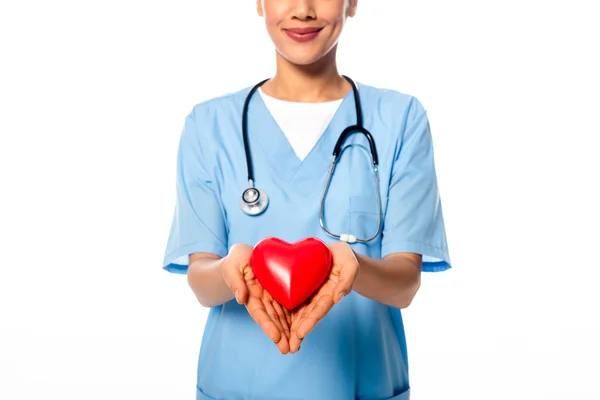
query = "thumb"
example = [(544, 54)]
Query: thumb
[(348, 275), (234, 279)]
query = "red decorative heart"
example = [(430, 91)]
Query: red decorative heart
[(291, 272)]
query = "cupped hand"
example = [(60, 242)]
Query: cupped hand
[(339, 283), (274, 320)]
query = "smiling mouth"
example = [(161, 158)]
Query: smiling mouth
[(302, 34)]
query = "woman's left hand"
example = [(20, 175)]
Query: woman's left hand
[(339, 283)]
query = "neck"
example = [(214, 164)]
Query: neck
[(318, 82)]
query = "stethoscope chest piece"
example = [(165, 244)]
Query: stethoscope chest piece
[(254, 201)]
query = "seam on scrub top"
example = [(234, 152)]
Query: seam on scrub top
[(215, 237), (444, 253), (181, 247), (444, 249)]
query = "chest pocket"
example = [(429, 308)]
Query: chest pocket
[(363, 215)]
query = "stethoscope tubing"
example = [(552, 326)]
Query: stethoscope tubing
[(336, 152)]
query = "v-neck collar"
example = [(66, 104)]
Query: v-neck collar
[(264, 129)]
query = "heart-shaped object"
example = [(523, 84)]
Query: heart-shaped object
[(291, 272)]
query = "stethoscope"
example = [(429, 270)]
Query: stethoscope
[(255, 201)]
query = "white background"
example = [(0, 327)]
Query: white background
[(93, 95)]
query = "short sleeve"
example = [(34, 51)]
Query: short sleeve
[(414, 221), (198, 223)]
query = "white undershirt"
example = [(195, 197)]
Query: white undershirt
[(302, 123)]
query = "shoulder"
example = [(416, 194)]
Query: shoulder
[(397, 110), (229, 101), (389, 100), (209, 120), (201, 134)]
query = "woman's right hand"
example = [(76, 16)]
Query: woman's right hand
[(273, 318)]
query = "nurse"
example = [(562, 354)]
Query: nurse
[(348, 341)]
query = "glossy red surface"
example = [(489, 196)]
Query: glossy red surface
[(291, 272)]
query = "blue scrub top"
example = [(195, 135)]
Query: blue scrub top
[(358, 351)]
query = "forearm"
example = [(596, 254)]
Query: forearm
[(205, 278), (393, 281)]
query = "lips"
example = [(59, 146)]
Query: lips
[(303, 31), (302, 34)]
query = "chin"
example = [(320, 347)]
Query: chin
[(303, 59), (303, 62)]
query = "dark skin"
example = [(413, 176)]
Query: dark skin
[(306, 72), (274, 319), (287, 328), (306, 316), (393, 280)]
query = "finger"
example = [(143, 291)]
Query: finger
[(298, 316), (240, 293), (283, 346), (234, 279), (255, 289), (320, 309), (345, 283), (294, 343), (239, 288), (258, 313), (282, 318), (274, 316), (288, 317)]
